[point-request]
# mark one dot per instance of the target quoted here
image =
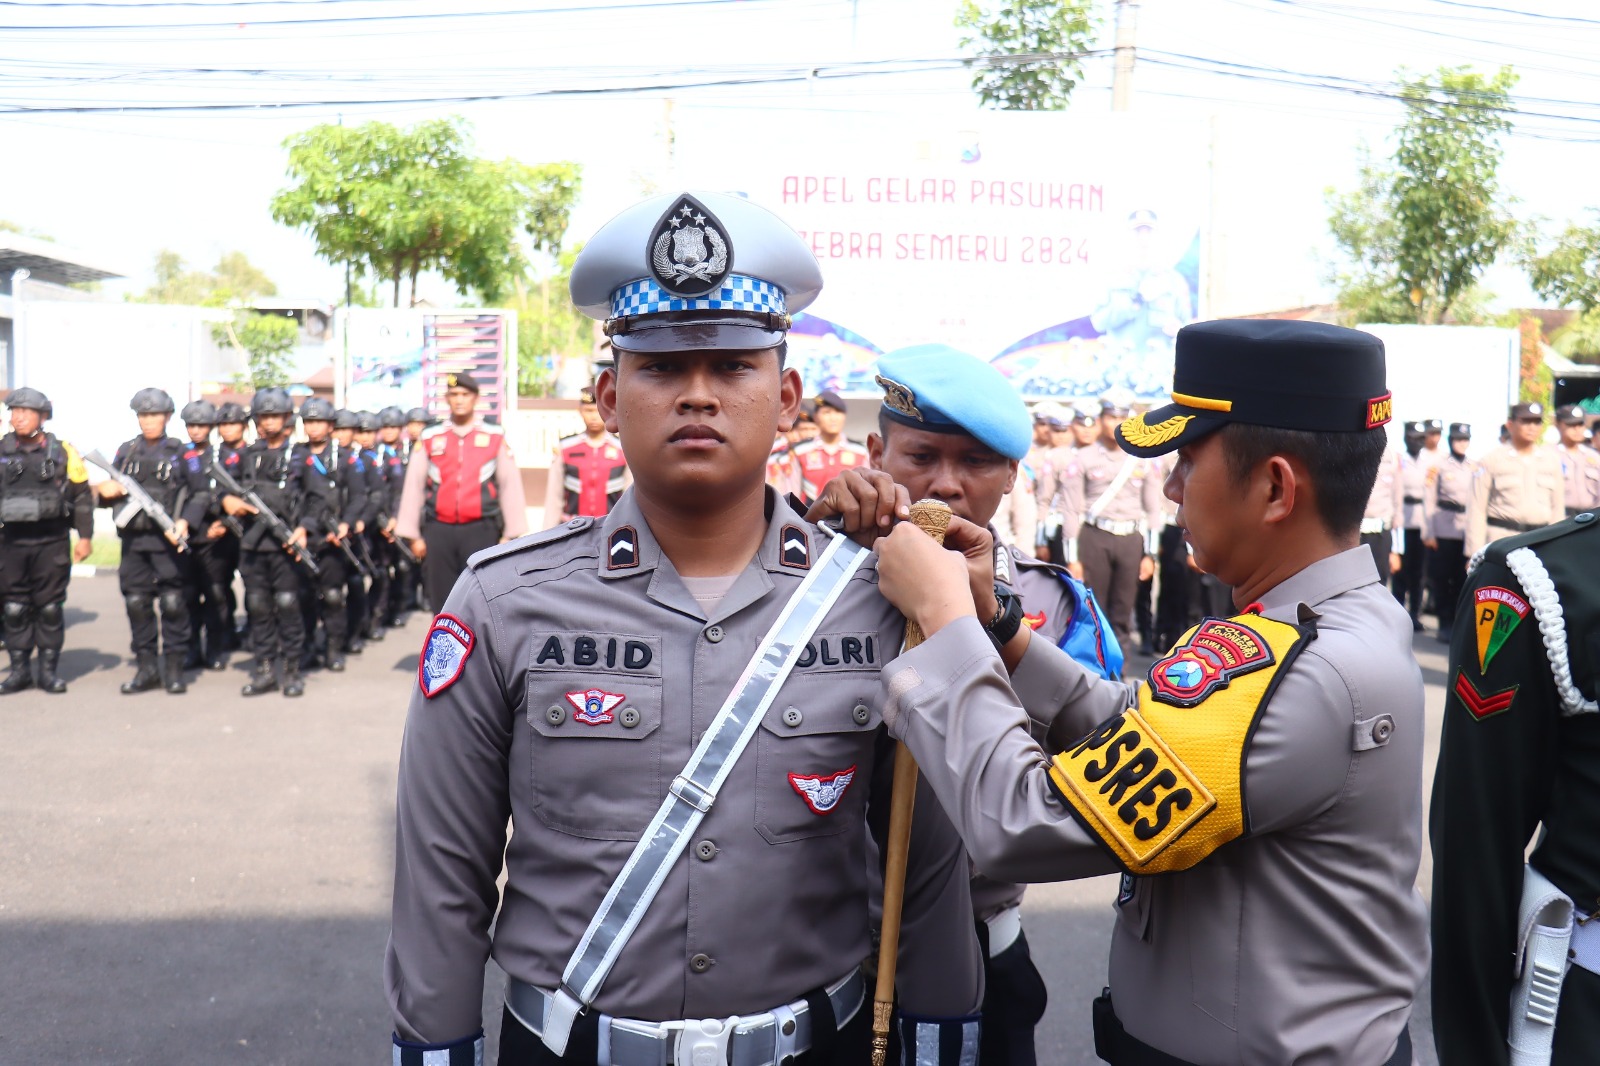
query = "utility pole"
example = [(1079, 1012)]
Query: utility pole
[(1122, 79)]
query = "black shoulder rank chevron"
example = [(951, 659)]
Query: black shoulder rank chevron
[(794, 548), (622, 550)]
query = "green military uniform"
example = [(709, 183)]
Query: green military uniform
[(1520, 750)]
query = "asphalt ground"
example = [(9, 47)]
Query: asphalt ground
[(204, 879)]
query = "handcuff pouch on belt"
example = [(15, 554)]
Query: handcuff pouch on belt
[(1161, 784)]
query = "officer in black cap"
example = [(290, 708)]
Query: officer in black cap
[(214, 557), (151, 570), (44, 496), (277, 471), (1414, 468), (1444, 517), (1270, 768), (830, 453)]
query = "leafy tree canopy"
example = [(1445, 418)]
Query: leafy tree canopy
[(1029, 53)]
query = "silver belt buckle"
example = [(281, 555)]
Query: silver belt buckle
[(703, 1041)]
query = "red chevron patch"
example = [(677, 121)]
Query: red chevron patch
[(1479, 705)]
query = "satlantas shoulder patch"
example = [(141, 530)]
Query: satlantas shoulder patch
[(444, 654), (1218, 650)]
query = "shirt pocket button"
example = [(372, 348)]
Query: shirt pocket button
[(793, 718), (558, 714), (630, 718)]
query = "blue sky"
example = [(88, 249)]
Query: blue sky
[(1286, 89)]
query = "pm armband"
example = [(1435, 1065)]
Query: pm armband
[(1162, 784)]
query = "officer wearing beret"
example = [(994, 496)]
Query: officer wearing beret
[(953, 429), (588, 471), (590, 683), (466, 495), (1516, 975), (1269, 769), (1580, 464), (1517, 487), (822, 458), (44, 497), (1444, 510), (151, 572)]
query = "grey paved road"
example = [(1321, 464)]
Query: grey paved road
[(204, 879)]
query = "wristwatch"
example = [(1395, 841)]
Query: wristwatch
[(1007, 617)]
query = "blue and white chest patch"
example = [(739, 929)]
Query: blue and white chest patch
[(594, 706), (822, 793), (444, 654)]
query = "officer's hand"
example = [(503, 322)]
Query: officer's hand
[(1147, 568), (298, 537), (388, 529), (360, 527), (977, 547), (1431, 545), (928, 583), (1076, 570), (111, 489), (419, 548), (344, 530), (1042, 553), (81, 550), (235, 507), (179, 530), (1394, 562), (216, 531), (867, 502)]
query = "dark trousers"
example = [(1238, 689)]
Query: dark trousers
[(850, 1046), (272, 600), (1014, 999), (1380, 544), (1179, 605), (1111, 570), (33, 587), (1449, 564), (152, 576), (378, 551), (326, 603), (450, 545), (1407, 584), (211, 592)]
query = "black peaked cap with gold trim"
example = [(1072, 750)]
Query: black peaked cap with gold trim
[(1265, 372)]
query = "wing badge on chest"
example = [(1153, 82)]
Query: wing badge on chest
[(594, 706), (822, 793)]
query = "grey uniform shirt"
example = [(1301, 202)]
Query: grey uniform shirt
[(1303, 941), (1445, 501), (1580, 467), (1413, 483), (777, 900), (1386, 504)]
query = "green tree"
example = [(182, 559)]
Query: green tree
[(1419, 231), (549, 327), (266, 341), (395, 202), (235, 280), (1029, 53), (1568, 273)]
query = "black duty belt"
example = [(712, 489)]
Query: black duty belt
[(1451, 505), (1577, 510), (1516, 527), (1413, 499), (1113, 1044)]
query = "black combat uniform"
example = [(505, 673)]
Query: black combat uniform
[(378, 511), (214, 559), (386, 550), (1520, 750), (334, 474), (44, 495)]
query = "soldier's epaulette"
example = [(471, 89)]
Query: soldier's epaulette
[(1498, 550), (529, 542)]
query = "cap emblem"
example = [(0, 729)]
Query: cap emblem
[(896, 397), (1137, 433), (689, 252)]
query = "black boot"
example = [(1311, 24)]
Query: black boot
[(21, 675), (193, 661), (49, 681), (336, 661), (261, 680), (177, 663), (293, 684), (146, 677)]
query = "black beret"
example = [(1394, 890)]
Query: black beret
[(461, 380)]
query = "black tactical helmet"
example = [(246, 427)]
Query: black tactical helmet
[(346, 420), (32, 400), (199, 413), (229, 413), (366, 420), (271, 401), (418, 414), (391, 418), (152, 402), (316, 409)]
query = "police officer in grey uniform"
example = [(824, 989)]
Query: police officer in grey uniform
[(1270, 767), (1519, 486), (1112, 505), (1444, 506), (1580, 464), (1414, 467), (572, 674), (1383, 521)]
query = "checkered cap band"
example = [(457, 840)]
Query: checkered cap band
[(737, 293)]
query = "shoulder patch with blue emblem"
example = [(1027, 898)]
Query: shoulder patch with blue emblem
[(444, 654)]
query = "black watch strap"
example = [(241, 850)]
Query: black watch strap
[(1007, 618)]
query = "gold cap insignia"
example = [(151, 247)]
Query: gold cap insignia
[(1137, 433), (449, 381), (896, 397)]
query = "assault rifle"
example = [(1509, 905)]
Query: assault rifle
[(354, 559), (276, 526), (139, 501)]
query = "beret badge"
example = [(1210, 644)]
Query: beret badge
[(897, 397)]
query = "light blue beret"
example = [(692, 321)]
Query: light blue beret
[(938, 388)]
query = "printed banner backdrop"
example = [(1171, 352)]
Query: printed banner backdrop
[(1067, 250), (401, 357)]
